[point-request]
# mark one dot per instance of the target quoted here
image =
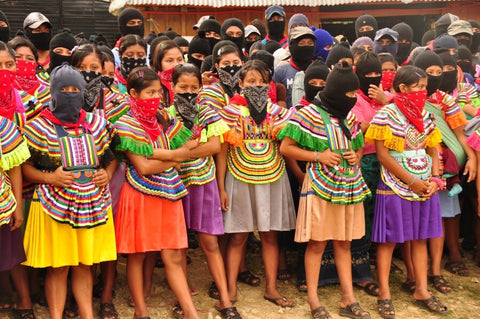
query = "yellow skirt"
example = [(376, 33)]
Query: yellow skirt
[(52, 244)]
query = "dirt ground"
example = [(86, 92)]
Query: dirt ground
[(463, 301)]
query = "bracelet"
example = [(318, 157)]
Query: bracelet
[(438, 181), (316, 155), (414, 178), (436, 176)]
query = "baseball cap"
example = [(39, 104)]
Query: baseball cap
[(249, 29), (460, 26), (200, 21), (386, 32), (34, 20), (301, 31), (270, 11)]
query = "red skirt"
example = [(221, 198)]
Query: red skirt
[(148, 223)]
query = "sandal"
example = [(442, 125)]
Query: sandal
[(107, 310), (433, 305), (230, 313), (248, 278), (440, 284), (384, 306), (457, 267), (213, 291), (282, 274), (71, 309), (282, 301), (355, 311), (23, 314), (6, 301), (177, 311), (394, 269), (302, 286), (370, 288), (409, 286), (320, 313)]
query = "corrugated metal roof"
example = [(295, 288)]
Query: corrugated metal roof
[(262, 3)]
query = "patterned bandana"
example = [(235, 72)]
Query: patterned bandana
[(93, 88), (145, 110), (186, 105), (228, 76), (411, 104), (128, 64), (7, 105), (26, 77), (257, 98), (387, 80)]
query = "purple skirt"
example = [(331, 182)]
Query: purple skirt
[(11, 248), (398, 220), (202, 208)]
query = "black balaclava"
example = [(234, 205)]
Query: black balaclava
[(66, 106), (366, 19), (367, 63), (198, 45), (126, 15), (441, 25), (405, 32), (316, 70), (276, 29), (424, 60), (447, 42), (181, 41), (41, 41), (464, 53), (239, 41), (341, 80), (302, 56), (65, 40), (171, 34), (264, 56), (4, 31), (449, 78), (272, 46), (211, 25), (475, 37), (338, 52), (428, 36)]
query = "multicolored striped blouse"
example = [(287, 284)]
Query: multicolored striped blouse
[(134, 139), (406, 145), (453, 114), (214, 95), (34, 104), (315, 130), (253, 155), (208, 123), (116, 105), (80, 151), (13, 152)]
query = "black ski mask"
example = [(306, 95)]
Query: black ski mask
[(316, 70), (368, 63), (424, 60), (64, 40), (239, 41), (127, 15), (302, 56), (40, 40), (4, 31), (275, 29)]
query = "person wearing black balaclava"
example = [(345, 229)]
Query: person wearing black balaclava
[(39, 30), (302, 50), (276, 19), (211, 28), (233, 30), (475, 37), (61, 47), (431, 63), (340, 52), (405, 39), (314, 80), (441, 25), (366, 26), (130, 21), (461, 30), (369, 72), (465, 60), (450, 74), (198, 49), (386, 41), (4, 27)]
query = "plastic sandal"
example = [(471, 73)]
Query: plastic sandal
[(280, 301), (248, 278), (370, 288), (409, 287), (282, 274), (321, 313), (457, 267), (23, 314), (440, 284), (177, 311), (384, 306), (230, 313), (433, 305), (355, 311), (213, 291), (107, 310)]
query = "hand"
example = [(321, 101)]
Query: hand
[(224, 200), (101, 178), (191, 144), (470, 109), (17, 219), (208, 77), (431, 189), (470, 169), (376, 93), (351, 157), (61, 178), (329, 158), (419, 187)]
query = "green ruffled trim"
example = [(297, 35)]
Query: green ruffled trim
[(16, 157), (358, 142), (180, 138), (303, 139), (217, 128), (134, 146)]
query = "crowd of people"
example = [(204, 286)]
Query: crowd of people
[(350, 148)]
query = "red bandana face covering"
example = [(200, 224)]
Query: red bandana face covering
[(145, 110), (411, 104), (7, 102), (387, 80), (26, 78)]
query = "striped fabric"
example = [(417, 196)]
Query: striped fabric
[(115, 105), (453, 114), (34, 104), (134, 139), (13, 152), (208, 123), (253, 155), (214, 95), (466, 92), (82, 205), (313, 129), (391, 126)]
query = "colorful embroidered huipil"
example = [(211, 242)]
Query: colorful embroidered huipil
[(208, 123), (406, 145), (34, 104), (313, 129), (115, 105), (82, 151), (253, 152), (214, 95), (134, 139), (13, 152)]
